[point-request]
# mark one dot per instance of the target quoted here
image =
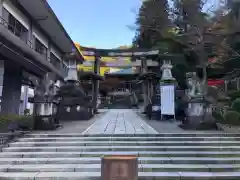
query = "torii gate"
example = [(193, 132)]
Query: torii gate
[(142, 54)]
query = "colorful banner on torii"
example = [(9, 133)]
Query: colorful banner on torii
[(88, 64)]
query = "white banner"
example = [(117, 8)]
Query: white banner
[(167, 100)]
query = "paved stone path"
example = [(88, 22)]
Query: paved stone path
[(75, 126), (120, 121)]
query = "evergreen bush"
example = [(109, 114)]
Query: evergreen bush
[(13, 122), (236, 105), (232, 118), (218, 116), (234, 95)]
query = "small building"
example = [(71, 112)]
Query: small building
[(33, 43)]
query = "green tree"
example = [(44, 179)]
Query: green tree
[(152, 22)]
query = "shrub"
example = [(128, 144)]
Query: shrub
[(13, 122), (234, 95), (218, 117), (236, 105), (25, 122), (232, 117)]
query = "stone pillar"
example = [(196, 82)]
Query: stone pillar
[(144, 84), (11, 92), (25, 97), (96, 82)]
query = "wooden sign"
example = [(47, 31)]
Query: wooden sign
[(121, 167)]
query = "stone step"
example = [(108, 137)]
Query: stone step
[(119, 148), (189, 167), (143, 160), (46, 139), (165, 153), (160, 160), (183, 134), (139, 153), (122, 143), (141, 168), (141, 175)]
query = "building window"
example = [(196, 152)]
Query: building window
[(39, 47), (15, 26), (55, 61)]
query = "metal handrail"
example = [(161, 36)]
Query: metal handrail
[(15, 31)]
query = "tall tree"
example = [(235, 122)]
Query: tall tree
[(152, 22)]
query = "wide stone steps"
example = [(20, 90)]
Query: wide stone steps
[(142, 175), (139, 148), (160, 156), (144, 160), (141, 168), (123, 143), (99, 154)]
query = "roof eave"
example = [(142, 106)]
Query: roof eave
[(48, 7)]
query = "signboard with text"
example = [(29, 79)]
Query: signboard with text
[(167, 100), (120, 167)]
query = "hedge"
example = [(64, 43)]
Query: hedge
[(234, 95), (16, 122), (231, 118), (236, 105)]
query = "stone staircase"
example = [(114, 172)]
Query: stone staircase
[(161, 156)]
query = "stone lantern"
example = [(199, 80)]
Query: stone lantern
[(167, 70)]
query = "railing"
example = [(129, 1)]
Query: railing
[(16, 32), (23, 36)]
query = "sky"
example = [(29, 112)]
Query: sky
[(98, 23)]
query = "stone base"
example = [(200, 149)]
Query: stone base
[(198, 123), (74, 115), (228, 128), (44, 123)]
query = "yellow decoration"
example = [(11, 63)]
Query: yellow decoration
[(103, 70)]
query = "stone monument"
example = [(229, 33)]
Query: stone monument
[(74, 104), (45, 104), (195, 111)]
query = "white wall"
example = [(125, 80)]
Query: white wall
[(40, 37), (16, 13)]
